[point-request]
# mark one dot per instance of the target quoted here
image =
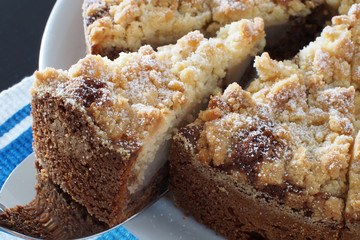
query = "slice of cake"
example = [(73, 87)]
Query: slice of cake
[(102, 129), (115, 26), (279, 161)]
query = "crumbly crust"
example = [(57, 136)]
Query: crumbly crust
[(112, 26), (293, 134), (114, 115)]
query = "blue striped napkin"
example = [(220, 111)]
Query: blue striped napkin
[(16, 141)]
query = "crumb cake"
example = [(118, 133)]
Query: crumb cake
[(113, 26), (280, 160), (102, 128)]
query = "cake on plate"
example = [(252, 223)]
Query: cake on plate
[(102, 129), (114, 26), (280, 159)]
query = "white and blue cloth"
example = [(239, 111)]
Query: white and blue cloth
[(16, 141)]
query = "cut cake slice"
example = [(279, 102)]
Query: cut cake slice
[(113, 26), (102, 128), (279, 161)]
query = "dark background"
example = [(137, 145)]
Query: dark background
[(22, 23)]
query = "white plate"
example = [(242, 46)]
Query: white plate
[(63, 44)]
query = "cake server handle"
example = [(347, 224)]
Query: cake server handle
[(2, 208)]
